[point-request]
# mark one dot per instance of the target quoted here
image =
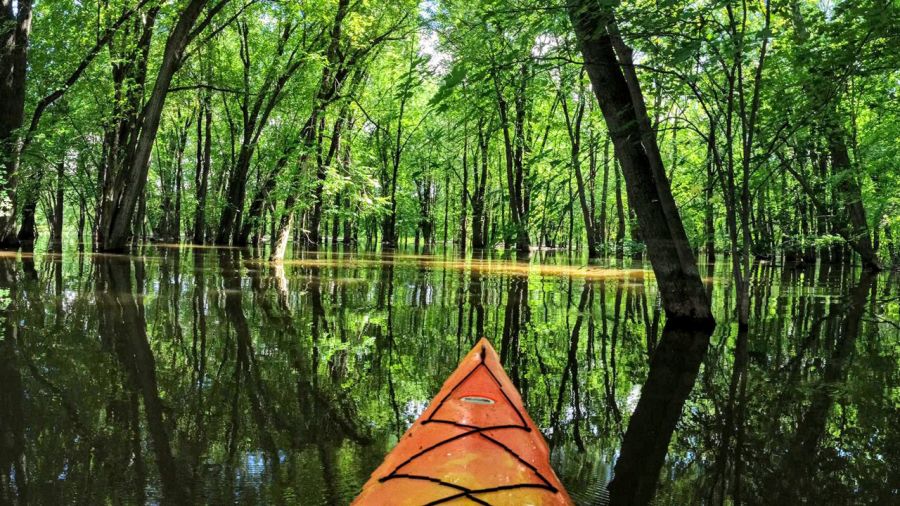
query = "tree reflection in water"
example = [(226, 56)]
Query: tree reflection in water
[(208, 376)]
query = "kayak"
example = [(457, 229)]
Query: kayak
[(474, 444)]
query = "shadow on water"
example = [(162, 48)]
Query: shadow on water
[(206, 376)]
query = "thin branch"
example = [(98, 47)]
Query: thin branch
[(76, 74)]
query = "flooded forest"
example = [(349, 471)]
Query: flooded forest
[(243, 243)]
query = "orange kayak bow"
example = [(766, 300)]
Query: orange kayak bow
[(475, 444)]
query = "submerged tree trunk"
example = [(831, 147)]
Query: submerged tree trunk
[(56, 221), (201, 175), (573, 126), (849, 195), (621, 102), (15, 28), (28, 230), (514, 150), (620, 213), (708, 218), (125, 184), (857, 233), (479, 219), (464, 195)]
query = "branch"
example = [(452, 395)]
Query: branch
[(200, 86), (76, 74)]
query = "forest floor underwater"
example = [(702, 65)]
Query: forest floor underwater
[(213, 376)]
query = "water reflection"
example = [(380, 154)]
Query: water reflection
[(207, 376)]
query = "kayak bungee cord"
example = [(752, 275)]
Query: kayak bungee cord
[(476, 456)]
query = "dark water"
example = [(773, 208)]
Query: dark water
[(205, 376)]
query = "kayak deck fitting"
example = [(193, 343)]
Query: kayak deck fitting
[(475, 444)]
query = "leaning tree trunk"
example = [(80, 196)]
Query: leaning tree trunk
[(848, 188), (621, 102), (123, 193)]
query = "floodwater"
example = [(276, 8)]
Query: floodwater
[(206, 376)]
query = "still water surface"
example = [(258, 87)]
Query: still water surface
[(209, 376)]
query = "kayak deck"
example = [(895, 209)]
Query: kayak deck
[(475, 444)]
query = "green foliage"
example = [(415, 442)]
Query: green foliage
[(419, 81)]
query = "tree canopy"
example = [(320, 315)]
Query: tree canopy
[(446, 122)]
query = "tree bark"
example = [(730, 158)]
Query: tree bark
[(573, 126), (856, 233), (708, 217), (479, 222), (201, 175), (621, 102), (255, 114), (28, 230), (603, 236), (620, 213), (56, 222), (124, 189), (15, 28), (464, 195)]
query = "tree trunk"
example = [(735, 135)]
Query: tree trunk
[(513, 143), (708, 217), (479, 239), (201, 179), (315, 214), (256, 107), (523, 242), (28, 230), (446, 202), (334, 74), (179, 184), (603, 237), (82, 211), (389, 236), (621, 102), (123, 191), (464, 195), (15, 28), (56, 223), (856, 233), (573, 126), (620, 213), (849, 191)]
